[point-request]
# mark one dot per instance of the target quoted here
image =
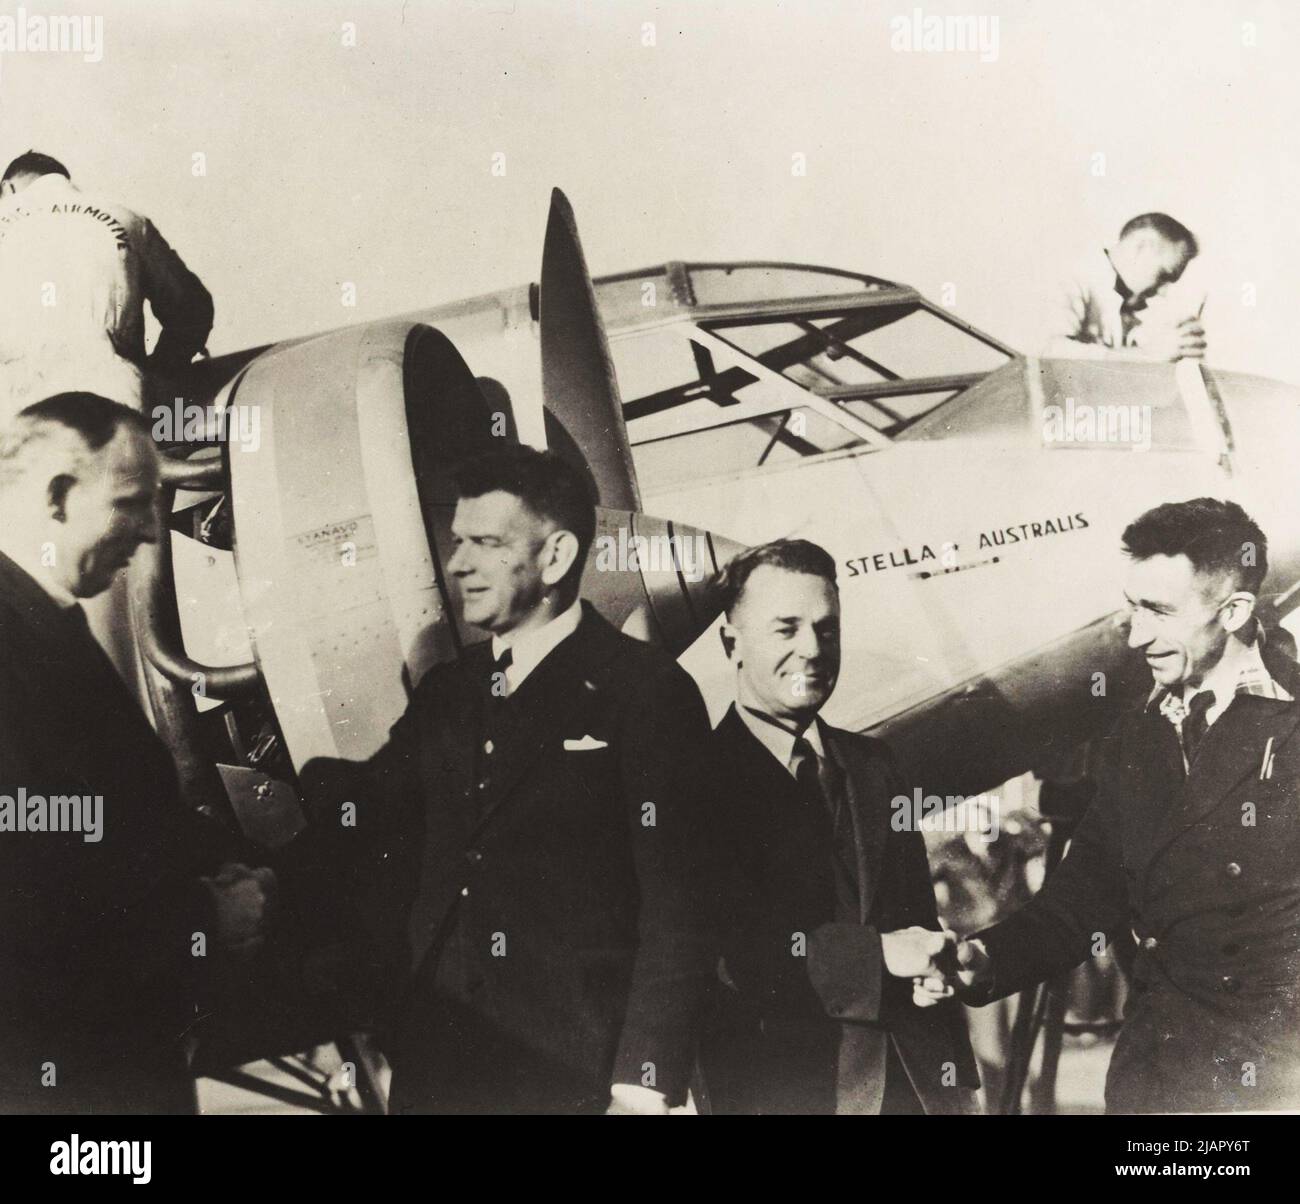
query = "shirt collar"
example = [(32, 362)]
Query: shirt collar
[(1239, 672), (530, 648), (777, 738)]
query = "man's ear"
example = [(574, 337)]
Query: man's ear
[(559, 554), (56, 496), (727, 634), (1236, 612)]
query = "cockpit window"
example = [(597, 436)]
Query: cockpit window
[(666, 369), (735, 447), (721, 395), (887, 364), (747, 283)]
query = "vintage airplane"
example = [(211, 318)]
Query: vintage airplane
[(972, 496)]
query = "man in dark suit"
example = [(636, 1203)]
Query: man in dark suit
[(1192, 845), (831, 913), (537, 868), (103, 911)]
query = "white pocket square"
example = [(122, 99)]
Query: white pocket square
[(586, 744)]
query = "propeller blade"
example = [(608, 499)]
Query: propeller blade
[(579, 387)]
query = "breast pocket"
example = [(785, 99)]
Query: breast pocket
[(585, 744), (586, 777)]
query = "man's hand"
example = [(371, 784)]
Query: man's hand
[(928, 991), (915, 952), (975, 965), (1184, 341), (631, 1099), (242, 899), (973, 970)]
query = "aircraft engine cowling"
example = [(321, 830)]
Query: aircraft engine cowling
[(342, 525)]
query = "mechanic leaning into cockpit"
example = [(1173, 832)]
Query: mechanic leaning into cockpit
[(75, 271)]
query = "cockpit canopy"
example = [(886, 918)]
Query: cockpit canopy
[(730, 368)]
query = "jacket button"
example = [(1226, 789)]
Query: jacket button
[(474, 857), (1232, 869), (464, 892), (483, 786), (1149, 943), (1230, 984)]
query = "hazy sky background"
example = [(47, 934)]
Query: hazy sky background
[(372, 164)]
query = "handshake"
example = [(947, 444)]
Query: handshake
[(938, 963)]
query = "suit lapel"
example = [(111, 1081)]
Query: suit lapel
[(452, 743), (568, 679), (1231, 751), (861, 774), (68, 645), (767, 778), (770, 780), (38, 611), (1157, 765)]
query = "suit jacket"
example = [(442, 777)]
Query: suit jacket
[(95, 937), (1205, 872), (784, 1023), (541, 916)]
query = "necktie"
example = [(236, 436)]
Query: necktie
[(1196, 723), (820, 783), (498, 686), (805, 773), (822, 789)]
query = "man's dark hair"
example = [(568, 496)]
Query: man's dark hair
[(1167, 227), (33, 163), (793, 555), (1219, 538), (92, 418), (548, 484)]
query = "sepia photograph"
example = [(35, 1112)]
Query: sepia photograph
[(649, 557)]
